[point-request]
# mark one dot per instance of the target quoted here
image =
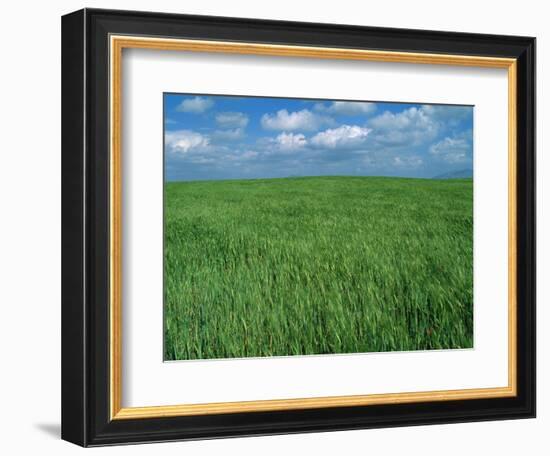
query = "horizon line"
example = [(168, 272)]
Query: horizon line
[(439, 177)]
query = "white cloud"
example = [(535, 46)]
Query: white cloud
[(347, 108), (185, 141), (195, 105), (229, 135), (345, 136), (290, 121), (232, 119), (413, 126), (453, 150), (290, 141), (196, 148)]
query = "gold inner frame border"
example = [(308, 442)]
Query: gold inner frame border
[(116, 46)]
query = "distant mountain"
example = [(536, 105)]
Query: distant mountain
[(460, 174)]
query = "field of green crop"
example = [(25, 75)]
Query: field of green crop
[(298, 266)]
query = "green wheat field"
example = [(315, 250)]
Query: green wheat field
[(317, 265)]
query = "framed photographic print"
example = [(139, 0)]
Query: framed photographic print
[(279, 227)]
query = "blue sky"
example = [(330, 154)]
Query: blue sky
[(231, 137)]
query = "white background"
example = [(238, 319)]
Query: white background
[(147, 73), (30, 228)]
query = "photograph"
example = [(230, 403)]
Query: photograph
[(298, 226)]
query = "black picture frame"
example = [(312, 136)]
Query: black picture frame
[(85, 228)]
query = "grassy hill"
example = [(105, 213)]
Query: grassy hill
[(318, 265)]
